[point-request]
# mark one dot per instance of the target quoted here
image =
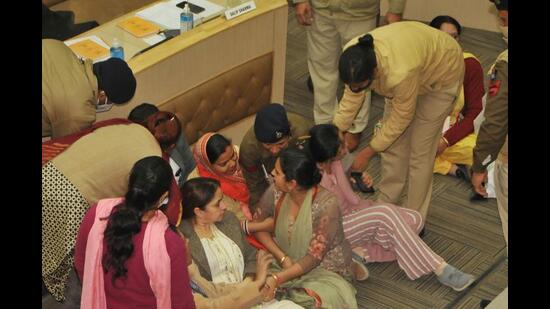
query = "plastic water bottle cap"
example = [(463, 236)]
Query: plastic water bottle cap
[(186, 8), (115, 43)]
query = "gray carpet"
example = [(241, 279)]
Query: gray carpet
[(467, 235)]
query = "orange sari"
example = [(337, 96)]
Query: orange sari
[(233, 185)]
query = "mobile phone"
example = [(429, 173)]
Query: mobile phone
[(195, 9)]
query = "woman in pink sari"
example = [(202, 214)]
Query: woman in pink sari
[(378, 232), (217, 158)]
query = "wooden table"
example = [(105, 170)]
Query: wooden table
[(198, 55)]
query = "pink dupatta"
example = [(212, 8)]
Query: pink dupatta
[(155, 256)]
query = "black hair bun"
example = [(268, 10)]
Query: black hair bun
[(366, 41)]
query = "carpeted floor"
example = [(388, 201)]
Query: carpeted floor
[(467, 235)]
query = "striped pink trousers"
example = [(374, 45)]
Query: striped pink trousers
[(387, 232)]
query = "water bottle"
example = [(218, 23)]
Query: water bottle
[(186, 19), (116, 50)]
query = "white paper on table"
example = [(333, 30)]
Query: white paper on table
[(94, 38), (164, 14), (154, 39), (167, 14)]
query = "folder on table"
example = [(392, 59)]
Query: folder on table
[(138, 26), (89, 49)]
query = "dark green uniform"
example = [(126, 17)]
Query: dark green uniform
[(252, 155), (493, 133)]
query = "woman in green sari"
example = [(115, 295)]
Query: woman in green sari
[(307, 238)]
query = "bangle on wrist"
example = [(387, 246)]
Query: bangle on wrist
[(283, 260), (277, 281), (445, 140)]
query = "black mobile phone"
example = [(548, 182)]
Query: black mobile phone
[(195, 9)]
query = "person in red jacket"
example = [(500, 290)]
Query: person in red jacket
[(455, 150)]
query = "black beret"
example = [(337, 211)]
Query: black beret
[(115, 77), (271, 123)]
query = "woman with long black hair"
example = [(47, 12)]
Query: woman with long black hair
[(126, 253)]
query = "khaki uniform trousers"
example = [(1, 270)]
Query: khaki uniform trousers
[(411, 157), (325, 39), (501, 188)]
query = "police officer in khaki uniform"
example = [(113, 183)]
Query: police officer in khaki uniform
[(492, 140), (274, 129), (330, 24), (419, 70)]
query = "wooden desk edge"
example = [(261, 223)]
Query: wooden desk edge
[(202, 32)]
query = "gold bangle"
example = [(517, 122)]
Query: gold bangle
[(283, 260), (274, 276)]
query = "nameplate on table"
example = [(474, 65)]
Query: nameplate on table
[(240, 10)]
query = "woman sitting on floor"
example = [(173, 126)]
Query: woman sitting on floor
[(244, 295), (378, 232), (455, 149), (216, 242), (126, 254), (218, 159), (308, 240)]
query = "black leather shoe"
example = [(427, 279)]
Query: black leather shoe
[(476, 197), (359, 185), (309, 84), (484, 303), (462, 172)]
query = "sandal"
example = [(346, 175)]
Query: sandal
[(359, 185), (359, 269)]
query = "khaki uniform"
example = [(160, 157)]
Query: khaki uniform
[(335, 22), (492, 140), (253, 155), (69, 91), (98, 164), (419, 70)]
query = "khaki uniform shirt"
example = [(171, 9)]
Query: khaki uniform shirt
[(412, 59), (99, 163), (353, 9), (69, 91), (253, 155), (492, 140)]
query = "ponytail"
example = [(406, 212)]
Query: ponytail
[(124, 223), (149, 179), (357, 62)]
